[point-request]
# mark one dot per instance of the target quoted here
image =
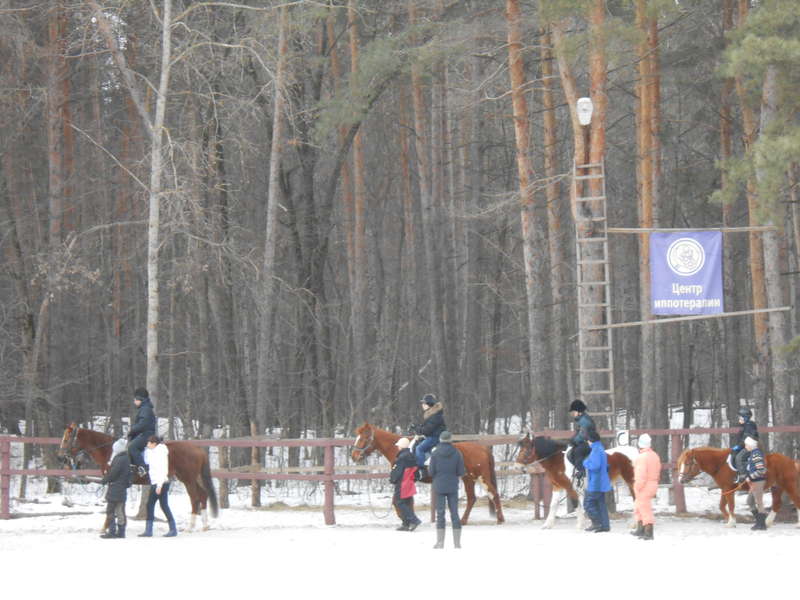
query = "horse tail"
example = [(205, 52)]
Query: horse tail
[(493, 479), (205, 473)]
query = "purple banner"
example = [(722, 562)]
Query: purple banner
[(686, 273)]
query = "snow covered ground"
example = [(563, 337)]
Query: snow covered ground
[(280, 550)]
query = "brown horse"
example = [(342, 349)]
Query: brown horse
[(478, 463), (782, 475), (549, 454), (187, 462)]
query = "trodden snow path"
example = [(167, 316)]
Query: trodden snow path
[(290, 551)]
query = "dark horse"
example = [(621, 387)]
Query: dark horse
[(549, 454), (478, 463), (782, 474), (187, 462)]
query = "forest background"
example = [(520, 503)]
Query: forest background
[(293, 217)]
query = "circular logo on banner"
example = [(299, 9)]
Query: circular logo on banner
[(686, 256)]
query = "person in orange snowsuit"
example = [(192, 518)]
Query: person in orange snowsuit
[(646, 473)]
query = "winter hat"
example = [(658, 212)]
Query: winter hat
[(745, 413), (445, 436), (120, 446), (593, 436), (577, 405), (429, 399), (645, 441), (402, 443), (141, 394), (750, 442)]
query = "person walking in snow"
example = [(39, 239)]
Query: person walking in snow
[(402, 476), (646, 474), (157, 458), (447, 467), (756, 476), (118, 479), (597, 484)]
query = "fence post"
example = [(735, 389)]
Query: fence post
[(677, 486), (330, 518), (5, 478)]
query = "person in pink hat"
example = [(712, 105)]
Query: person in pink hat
[(646, 473)]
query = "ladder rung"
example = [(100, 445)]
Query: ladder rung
[(589, 166), (592, 283), (592, 239), (605, 413), (596, 392), (592, 261), (596, 370), (588, 176), (583, 348), (593, 305), (590, 198), (595, 219)]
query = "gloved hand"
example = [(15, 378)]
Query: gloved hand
[(131, 435)]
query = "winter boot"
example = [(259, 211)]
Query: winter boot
[(440, 539), (173, 530), (593, 527), (648, 532), (403, 527), (121, 531), (423, 473), (111, 532), (457, 538), (148, 529), (761, 522), (413, 526), (639, 531)]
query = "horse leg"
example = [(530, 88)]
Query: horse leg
[(556, 497), (469, 488), (191, 489), (777, 502), (579, 512), (726, 507)]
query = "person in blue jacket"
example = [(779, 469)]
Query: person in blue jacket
[(584, 425), (597, 484), (739, 454), (144, 425), (431, 428), (447, 467)]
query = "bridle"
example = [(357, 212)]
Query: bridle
[(369, 445), (74, 455), (685, 467)]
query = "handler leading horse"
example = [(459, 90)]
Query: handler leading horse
[(549, 454), (478, 462), (782, 474), (187, 462)]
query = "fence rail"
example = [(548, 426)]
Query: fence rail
[(328, 475)]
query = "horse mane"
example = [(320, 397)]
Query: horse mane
[(546, 446)]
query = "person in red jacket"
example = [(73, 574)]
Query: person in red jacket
[(646, 473), (402, 476)]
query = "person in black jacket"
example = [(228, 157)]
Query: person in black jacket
[(118, 478), (739, 454), (584, 428), (757, 477), (402, 476), (431, 428), (447, 467), (143, 427)]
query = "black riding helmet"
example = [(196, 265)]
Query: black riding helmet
[(745, 413)]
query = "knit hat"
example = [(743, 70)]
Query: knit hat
[(645, 441), (445, 436), (577, 405), (429, 399), (750, 442), (402, 443), (141, 393), (745, 413), (120, 446)]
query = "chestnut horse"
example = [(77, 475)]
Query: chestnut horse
[(187, 462), (782, 475), (549, 454), (478, 464)]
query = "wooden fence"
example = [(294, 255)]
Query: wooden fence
[(327, 474)]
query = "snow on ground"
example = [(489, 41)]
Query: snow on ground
[(280, 550)]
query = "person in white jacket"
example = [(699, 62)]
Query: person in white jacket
[(156, 455)]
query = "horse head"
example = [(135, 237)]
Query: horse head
[(527, 450), (364, 444), (687, 466), (69, 450)]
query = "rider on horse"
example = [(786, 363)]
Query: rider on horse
[(584, 426), (432, 426), (739, 454), (143, 427)]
